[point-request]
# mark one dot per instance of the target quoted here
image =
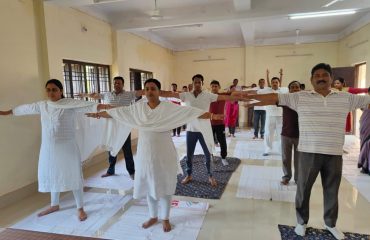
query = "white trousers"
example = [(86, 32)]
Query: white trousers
[(165, 204), (273, 128), (78, 195)]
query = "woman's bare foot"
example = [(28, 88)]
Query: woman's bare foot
[(187, 179), (166, 226), (150, 222), (82, 214), (48, 211), (212, 181)]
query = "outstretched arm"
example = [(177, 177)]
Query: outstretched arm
[(236, 96), (4, 113), (211, 116), (169, 94), (102, 106), (98, 115), (90, 95), (265, 99)]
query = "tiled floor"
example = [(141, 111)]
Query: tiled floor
[(239, 218)]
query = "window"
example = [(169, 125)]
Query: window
[(82, 77), (138, 78)]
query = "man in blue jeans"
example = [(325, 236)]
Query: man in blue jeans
[(200, 129)]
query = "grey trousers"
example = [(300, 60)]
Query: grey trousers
[(330, 168), (287, 145)]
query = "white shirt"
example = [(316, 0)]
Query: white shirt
[(322, 119), (202, 101)]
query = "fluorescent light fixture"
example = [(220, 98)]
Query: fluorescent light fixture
[(175, 27), (331, 3), (321, 14)]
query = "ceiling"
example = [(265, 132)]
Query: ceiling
[(225, 23)]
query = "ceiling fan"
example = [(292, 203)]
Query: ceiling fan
[(331, 3)]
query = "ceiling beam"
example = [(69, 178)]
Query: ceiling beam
[(248, 32), (242, 5)]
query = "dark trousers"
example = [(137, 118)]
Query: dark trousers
[(288, 145), (129, 159), (219, 133), (259, 116), (330, 169), (178, 130), (232, 130), (191, 141)]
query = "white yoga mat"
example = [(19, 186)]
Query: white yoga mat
[(186, 219), (350, 171), (254, 149), (263, 182), (99, 208), (120, 181)]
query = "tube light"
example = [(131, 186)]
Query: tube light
[(321, 14)]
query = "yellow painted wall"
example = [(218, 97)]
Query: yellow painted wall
[(67, 40), (350, 54), (135, 52), (20, 83), (138, 53), (294, 68), (223, 70)]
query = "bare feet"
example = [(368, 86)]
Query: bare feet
[(212, 181), (285, 182), (187, 179), (166, 226), (150, 223), (49, 210), (106, 175), (82, 214)]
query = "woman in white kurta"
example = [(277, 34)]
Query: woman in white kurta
[(59, 168), (156, 161)]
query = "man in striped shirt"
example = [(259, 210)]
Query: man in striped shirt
[(322, 114), (119, 97)]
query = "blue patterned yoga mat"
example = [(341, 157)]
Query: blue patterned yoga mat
[(200, 186), (287, 233)]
